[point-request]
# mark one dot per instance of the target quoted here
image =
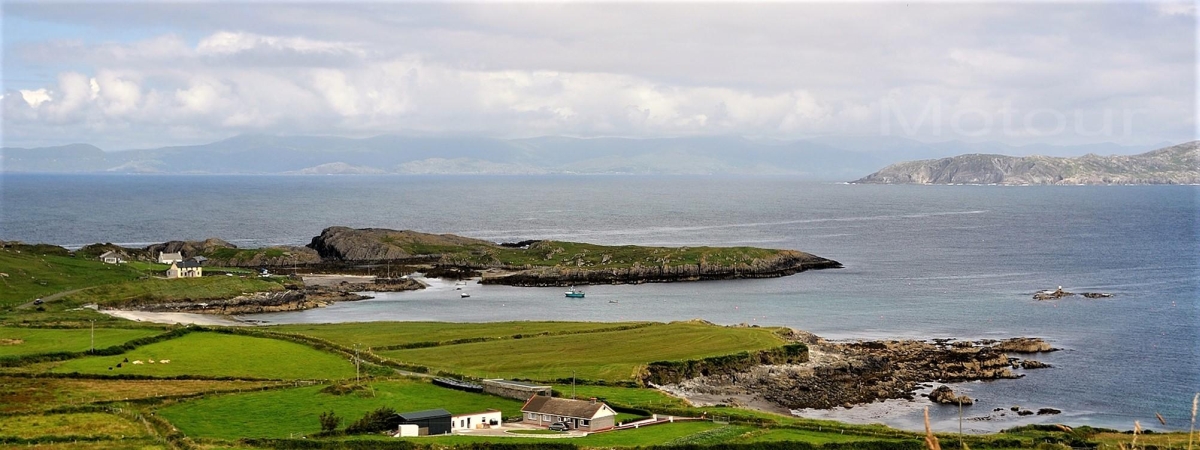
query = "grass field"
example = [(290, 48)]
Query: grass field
[(379, 334), (19, 394), (612, 356), (29, 276), (631, 397), (28, 341), (163, 290), (220, 355), (280, 413), (816, 437), (576, 254), (73, 424)]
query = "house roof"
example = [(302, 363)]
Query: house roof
[(108, 253), (186, 264), (426, 414), (198, 258), (583, 409), (176, 255), (477, 413)]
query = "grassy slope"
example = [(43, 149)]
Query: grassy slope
[(47, 340), (72, 424), (555, 253), (613, 356), (220, 355), (31, 276), (282, 412), (39, 394), (163, 290), (378, 334)]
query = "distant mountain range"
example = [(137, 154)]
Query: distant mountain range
[(824, 158), (1178, 164)]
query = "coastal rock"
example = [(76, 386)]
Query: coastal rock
[(1096, 295), (1052, 294), (1033, 364), (1024, 345), (378, 244), (187, 248), (1048, 411), (944, 395)]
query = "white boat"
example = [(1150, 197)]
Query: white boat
[(465, 295), (574, 293)]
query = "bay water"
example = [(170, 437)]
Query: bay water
[(920, 262)]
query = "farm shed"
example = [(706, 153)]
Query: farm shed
[(429, 422), (515, 390), (486, 419), (589, 415)]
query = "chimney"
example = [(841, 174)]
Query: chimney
[(593, 400)]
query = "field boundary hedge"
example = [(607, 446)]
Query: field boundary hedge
[(472, 340)]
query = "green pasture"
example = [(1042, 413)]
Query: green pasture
[(280, 413), (380, 334), (26, 275), (28, 341), (576, 254), (157, 290), (219, 355), (611, 356)]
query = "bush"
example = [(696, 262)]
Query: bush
[(373, 422), (329, 422)]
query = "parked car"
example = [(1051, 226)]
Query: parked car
[(559, 426), (38, 301)]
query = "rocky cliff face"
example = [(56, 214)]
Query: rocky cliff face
[(188, 248), (1179, 164), (377, 244)]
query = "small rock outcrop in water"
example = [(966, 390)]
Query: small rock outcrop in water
[(1024, 345), (1052, 294), (945, 396)]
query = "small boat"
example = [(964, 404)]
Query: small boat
[(613, 301), (574, 293), (465, 295)]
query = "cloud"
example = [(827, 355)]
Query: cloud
[(643, 70)]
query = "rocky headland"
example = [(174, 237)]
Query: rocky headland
[(1178, 164), (554, 263), (853, 373)]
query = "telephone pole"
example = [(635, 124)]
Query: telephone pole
[(356, 361), (93, 350)]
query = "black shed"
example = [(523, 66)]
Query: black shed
[(430, 422)]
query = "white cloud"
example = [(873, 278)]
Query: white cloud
[(35, 98)]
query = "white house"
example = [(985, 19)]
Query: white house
[(486, 419), (587, 415), (185, 269), (111, 257), (168, 258)]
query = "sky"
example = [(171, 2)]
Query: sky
[(137, 75)]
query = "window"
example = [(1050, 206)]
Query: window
[(546, 417), (585, 422), (531, 416)]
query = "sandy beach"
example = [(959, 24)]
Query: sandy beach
[(175, 317)]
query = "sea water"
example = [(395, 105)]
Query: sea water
[(920, 262)]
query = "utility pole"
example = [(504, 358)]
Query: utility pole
[(356, 361), (93, 350), (572, 385)]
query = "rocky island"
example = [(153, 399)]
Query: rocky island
[(1178, 164)]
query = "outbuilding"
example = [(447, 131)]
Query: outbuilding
[(515, 390), (428, 422), (471, 421)]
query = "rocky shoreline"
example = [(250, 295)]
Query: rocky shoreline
[(315, 295), (855, 373)]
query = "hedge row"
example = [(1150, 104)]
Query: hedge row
[(670, 372), (398, 445), (428, 344)]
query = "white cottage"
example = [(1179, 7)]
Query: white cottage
[(486, 419)]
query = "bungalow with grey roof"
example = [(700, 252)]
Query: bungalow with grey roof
[(587, 415)]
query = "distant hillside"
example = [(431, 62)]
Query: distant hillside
[(1179, 164), (821, 158)]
